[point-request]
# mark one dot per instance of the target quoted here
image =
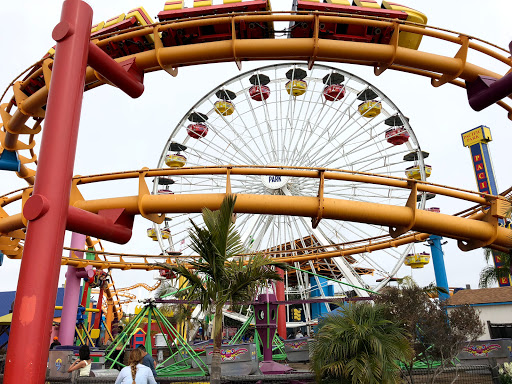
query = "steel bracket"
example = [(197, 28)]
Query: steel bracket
[(143, 192), (499, 209), (461, 55), (316, 220), (394, 232), (381, 67)]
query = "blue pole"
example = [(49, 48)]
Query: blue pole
[(436, 250)]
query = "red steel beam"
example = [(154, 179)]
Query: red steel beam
[(125, 75)]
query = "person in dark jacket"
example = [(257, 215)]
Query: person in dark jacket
[(55, 342), (147, 360)]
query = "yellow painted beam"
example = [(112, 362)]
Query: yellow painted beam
[(59, 308)]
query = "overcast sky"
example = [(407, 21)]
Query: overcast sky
[(118, 133)]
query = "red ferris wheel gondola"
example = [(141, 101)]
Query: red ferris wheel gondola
[(334, 89), (259, 90), (397, 134), (197, 131), (198, 128)]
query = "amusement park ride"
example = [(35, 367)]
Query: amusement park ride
[(316, 155)]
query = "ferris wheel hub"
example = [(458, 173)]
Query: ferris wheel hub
[(274, 182)]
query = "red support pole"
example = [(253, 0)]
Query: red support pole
[(37, 286), (281, 311), (97, 316), (84, 296)]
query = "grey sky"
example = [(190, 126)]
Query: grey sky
[(118, 133)]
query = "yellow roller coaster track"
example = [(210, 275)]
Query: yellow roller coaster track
[(441, 69), (476, 228), (123, 292)]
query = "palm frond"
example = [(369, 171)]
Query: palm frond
[(358, 345), (492, 273)]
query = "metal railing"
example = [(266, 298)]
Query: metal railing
[(462, 374), (465, 374)]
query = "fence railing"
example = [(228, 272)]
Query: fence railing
[(462, 374), (470, 374)]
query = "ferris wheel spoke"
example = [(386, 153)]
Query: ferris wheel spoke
[(365, 129), (210, 158), (287, 120), (247, 148), (360, 233), (357, 146), (385, 157), (361, 256), (335, 276), (319, 285), (250, 227), (292, 236), (211, 153), (243, 221), (263, 228), (257, 124), (377, 169), (341, 128), (359, 195), (228, 152), (370, 143), (314, 108), (348, 272), (337, 119), (247, 129), (304, 100)]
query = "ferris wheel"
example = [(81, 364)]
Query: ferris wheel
[(286, 115)]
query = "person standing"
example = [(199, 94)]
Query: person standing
[(55, 342), (147, 359), (299, 334), (118, 355), (135, 372)]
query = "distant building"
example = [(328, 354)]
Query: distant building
[(494, 306), (6, 305)]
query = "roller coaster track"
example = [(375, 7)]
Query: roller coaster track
[(441, 69), (474, 228), (143, 285), (123, 292)]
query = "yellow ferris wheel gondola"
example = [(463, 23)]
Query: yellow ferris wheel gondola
[(369, 107), (413, 172), (151, 232), (225, 106), (417, 260), (175, 160), (297, 85)]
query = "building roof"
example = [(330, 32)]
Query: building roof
[(6, 299), (481, 296), (6, 319)]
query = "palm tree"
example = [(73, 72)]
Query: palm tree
[(358, 346), (217, 277), (492, 274)]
